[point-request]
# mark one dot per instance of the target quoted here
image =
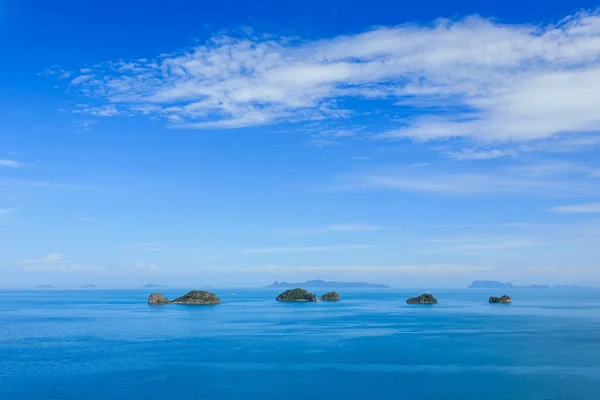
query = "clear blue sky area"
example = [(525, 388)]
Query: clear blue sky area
[(235, 143)]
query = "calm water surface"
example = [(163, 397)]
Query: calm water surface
[(99, 344)]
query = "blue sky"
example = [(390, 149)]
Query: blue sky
[(232, 144)]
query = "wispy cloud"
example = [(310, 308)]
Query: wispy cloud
[(513, 180), (457, 183), (65, 268), (303, 249), (109, 110), (7, 212), (351, 227), (471, 245), (158, 247), (10, 163), (87, 219), (470, 154), (46, 184), (53, 258), (587, 208), (516, 82)]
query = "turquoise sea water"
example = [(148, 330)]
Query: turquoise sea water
[(99, 344)]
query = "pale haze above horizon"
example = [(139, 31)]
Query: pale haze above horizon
[(234, 145)]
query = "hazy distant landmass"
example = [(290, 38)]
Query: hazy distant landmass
[(88, 286), (501, 285), (152, 285), (45, 287), (490, 285), (320, 283)]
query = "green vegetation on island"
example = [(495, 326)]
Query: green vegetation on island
[(426, 298), (195, 297), (331, 296), (502, 299), (297, 295)]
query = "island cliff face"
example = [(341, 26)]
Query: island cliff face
[(157, 298), (503, 299), (422, 299), (331, 296), (297, 295), (195, 297)]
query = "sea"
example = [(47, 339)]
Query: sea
[(110, 344)]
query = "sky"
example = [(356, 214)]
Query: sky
[(232, 144)]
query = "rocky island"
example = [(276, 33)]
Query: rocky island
[(331, 296), (88, 286), (426, 298), (297, 295), (503, 299), (195, 297)]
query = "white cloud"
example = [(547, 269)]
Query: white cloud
[(459, 183), (10, 163), (159, 247), (558, 179), (310, 271), (472, 245), (351, 228), (46, 184), (303, 249), (109, 110), (53, 258), (563, 144), (6, 212), (56, 262), (64, 268), (81, 79), (336, 228), (470, 154), (516, 82), (587, 208)]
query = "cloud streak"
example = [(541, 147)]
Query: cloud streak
[(587, 208), (499, 82), (53, 258), (6, 212), (10, 163), (305, 249), (159, 247)]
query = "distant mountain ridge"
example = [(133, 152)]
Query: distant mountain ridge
[(321, 283), (508, 285), (152, 285), (490, 285)]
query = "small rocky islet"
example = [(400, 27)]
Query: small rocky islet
[(297, 295), (426, 298), (330, 296), (504, 299), (194, 297)]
